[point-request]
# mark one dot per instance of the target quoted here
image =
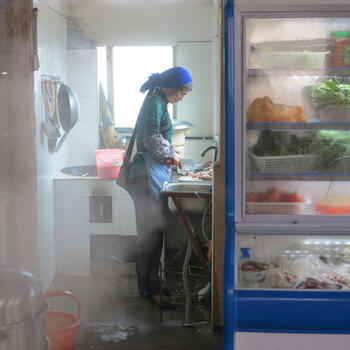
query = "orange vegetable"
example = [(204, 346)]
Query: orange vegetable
[(273, 195), (291, 197), (251, 197), (296, 197)]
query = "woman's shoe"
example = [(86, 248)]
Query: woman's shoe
[(166, 304)]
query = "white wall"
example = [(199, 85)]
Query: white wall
[(136, 22), (82, 78), (198, 105), (73, 227), (52, 43)]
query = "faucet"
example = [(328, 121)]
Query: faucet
[(208, 149)]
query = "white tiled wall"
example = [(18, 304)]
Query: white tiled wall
[(82, 78), (52, 44), (198, 105), (124, 217), (72, 226)]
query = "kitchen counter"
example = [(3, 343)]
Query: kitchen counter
[(62, 176)]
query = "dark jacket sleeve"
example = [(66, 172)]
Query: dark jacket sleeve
[(152, 139), (159, 146)]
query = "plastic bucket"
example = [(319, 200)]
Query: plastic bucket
[(108, 162), (61, 327)]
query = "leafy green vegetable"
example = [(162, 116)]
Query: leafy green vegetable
[(331, 92), (279, 143), (330, 147)]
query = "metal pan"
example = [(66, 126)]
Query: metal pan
[(68, 111)]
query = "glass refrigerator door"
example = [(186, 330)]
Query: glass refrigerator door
[(297, 109), (295, 262)]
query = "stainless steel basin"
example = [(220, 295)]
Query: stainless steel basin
[(79, 170), (188, 195)]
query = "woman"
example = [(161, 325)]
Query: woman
[(150, 168)]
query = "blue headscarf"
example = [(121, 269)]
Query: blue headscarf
[(176, 78)]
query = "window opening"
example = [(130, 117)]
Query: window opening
[(131, 67)]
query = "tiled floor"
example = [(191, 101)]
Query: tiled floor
[(115, 317)]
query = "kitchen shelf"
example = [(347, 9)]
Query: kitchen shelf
[(309, 126), (331, 72)]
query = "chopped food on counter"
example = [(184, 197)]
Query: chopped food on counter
[(264, 110), (203, 175), (206, 165), (197, 171)]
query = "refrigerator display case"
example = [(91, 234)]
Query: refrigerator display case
[(287, 161)]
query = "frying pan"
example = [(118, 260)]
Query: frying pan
[(68, 111)]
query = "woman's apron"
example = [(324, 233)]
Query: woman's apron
[(158, 172)]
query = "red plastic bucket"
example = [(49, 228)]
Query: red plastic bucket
[(108, 162), (61, 327)]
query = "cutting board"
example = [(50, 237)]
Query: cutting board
[(191, 179)]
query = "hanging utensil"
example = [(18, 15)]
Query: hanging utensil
[(68, 111), (49, 125), (54, 104), (54, 119)]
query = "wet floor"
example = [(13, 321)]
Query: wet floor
[(115, 317)]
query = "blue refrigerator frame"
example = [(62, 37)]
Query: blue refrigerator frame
[(311, 312)]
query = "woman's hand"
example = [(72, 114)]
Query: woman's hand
[(177, 161)]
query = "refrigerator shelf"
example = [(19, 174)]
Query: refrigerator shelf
[(311, 126), (283, 164), (285, 72), (277, 208)]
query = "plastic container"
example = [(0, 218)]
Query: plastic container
[(277, 208), (108, 162), (293, 60), (292, 54), (322, 209), (340, 49), (283, 164), (61, 327)]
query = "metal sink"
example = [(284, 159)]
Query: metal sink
[(188, 195), (79, 170)]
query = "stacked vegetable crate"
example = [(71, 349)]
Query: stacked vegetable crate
[(280, 152)]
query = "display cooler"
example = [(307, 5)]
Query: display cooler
[(287, 161)]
